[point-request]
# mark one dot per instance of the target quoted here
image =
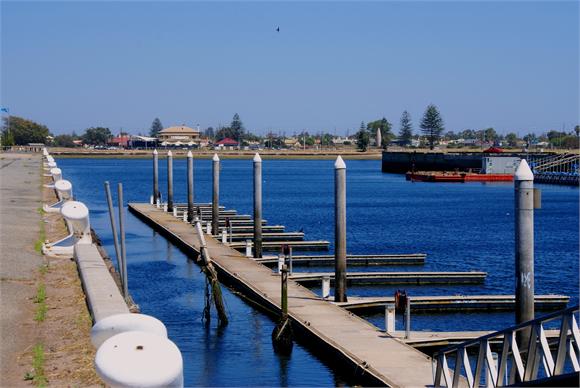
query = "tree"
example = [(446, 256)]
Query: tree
[(530, 138), (406, 129), (156, 127), (64, 141), (237, 127), (490, 135), (96, 136), (385, 127), (362, 138), (432, 125), (21, 131), (512, 139)]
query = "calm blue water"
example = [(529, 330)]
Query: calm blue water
[(461, 227)]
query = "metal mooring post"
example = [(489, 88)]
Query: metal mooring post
[(215, 212), (257, 206), (170, 182), (524, 228), (123, 245), (340, 230), (155, 177), (190, 209)]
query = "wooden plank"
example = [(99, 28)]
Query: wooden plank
[(374, 278), (370, 355), (363, 305)]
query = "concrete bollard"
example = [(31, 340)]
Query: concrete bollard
[(184, 216), (155, 176), (174, 212), (139, 359), (208, 228), (224, 236), (170, 181), (325, 287), (63, 192), (390, 318), (151, 201), (257, 206), (165, 208), (340, 230), (76, 215), (56, 174), (119, 323), (248, 248), (157, 205), (215, 212)]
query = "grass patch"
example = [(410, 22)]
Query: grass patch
[(42, 237), (43, 269), (40, 299), (37, 375)]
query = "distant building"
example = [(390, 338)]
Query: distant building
[(119, 141), (142, 142), (179, 136), (227, 142)]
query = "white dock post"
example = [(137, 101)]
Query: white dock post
[(174, 212), (156, 176), (189, 216), (340, 230), (224, 236), (184, 216), (170, 181), (208, 228), (215, 212), (257, 206), (390, 318), (151, 202), (165, 207), (280, 262), (325, 287), (248, 248), (407, 317)]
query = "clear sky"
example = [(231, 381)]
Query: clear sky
[(510, 65)]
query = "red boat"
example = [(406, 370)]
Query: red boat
[(456, 176)]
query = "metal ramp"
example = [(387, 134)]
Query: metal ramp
[(474, 362)]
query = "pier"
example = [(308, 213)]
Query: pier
[(375, 357), (382, 278), (352, 260), (419, 304)]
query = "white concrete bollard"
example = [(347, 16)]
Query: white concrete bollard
[(63, 192), (121, 323), (139, 359), (390, 318), (248, 248), (325, 286), (174, 212), (151, 200), (280, 262), (157, 205), (165, 207), (184, 216), (224, 236), (77, 216), (208, 228), (56, 174)]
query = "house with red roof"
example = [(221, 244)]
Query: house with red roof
[(227, 142)]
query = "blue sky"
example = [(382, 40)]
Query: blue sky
[(509, 65)]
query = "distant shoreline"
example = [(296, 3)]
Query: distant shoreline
[(178, 154)]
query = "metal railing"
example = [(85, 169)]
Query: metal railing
[(512, 365), (563, 163)]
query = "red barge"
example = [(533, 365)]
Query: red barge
[(456, 176)]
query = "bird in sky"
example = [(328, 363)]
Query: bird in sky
[(278, 29)]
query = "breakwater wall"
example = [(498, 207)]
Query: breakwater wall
[(402, 162)]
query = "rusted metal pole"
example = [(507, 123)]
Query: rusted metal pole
[(340, 230)]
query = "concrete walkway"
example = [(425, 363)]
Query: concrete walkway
[(20, 197)]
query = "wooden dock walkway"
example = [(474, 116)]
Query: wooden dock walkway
[(416, 278), (320, 245), (363, 305), (352, 260), (366, 353)]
